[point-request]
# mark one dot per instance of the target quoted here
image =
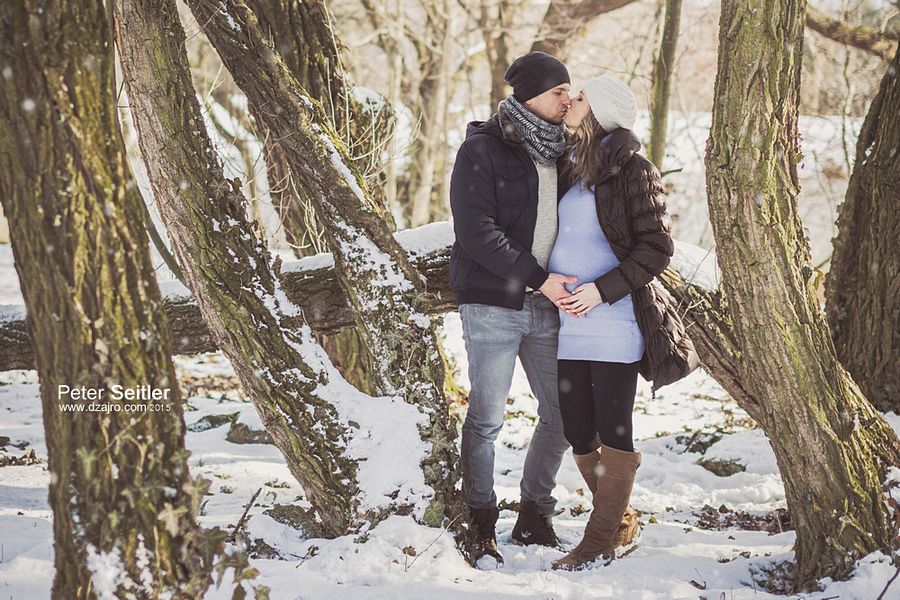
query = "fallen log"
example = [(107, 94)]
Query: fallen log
[(309, 282)]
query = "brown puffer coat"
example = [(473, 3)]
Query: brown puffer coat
[(631, 209)]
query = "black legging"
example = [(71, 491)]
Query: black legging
[(596, 400)]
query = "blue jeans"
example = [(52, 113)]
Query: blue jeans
[(494, 336)]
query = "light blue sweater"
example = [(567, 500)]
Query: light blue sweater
[(608, 332)]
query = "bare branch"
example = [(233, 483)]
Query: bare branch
[(564, 20), (858, 36)]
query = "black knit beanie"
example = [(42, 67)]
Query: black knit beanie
[(534, 73)]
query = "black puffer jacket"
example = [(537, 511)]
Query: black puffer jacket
[(631, 209), (493, 198)]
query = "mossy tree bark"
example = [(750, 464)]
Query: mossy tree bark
[(832, 447), (408, 359), (382, 286), (663, 73), (302, 400), (303, 34), (227, 269), (124, 505), (863, 284)]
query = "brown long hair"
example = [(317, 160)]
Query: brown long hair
[(583, 153)]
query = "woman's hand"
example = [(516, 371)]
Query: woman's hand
[(585, 297)]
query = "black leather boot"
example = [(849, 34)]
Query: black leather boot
[(534, 528), (483, 536)]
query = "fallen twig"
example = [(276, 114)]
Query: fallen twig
[(416, 557), (243, 518), (884, 591), (699, 586)]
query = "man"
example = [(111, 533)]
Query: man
[(503, 199)]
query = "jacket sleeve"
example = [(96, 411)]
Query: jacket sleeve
[(473, 203), (650, 223)]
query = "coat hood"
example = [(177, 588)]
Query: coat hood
[(490, 127), (616, 149)]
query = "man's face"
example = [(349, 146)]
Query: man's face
[(552, 104)]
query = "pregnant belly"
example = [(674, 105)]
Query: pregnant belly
[(586, 267)]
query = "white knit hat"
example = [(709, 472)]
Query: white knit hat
[(612, 102)]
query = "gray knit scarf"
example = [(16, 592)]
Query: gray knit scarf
[(544, 141)]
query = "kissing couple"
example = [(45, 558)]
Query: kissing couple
[(560, 227)]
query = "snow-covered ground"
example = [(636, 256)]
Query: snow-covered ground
[(680, 555)]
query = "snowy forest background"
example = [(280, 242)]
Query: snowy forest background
[(263, 419)]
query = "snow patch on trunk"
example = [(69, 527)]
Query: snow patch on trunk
[(432, 237), (698, 266), (385, 439)]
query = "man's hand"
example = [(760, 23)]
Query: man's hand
[(585, 297), (555, 289)]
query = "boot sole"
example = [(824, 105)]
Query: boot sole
[(601, 561), (516, 542)]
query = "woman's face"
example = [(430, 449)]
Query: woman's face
[(577, 111)]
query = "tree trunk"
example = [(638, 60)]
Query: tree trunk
[(428, 165), (832, 447), (123, 501), (310, 411), (382, 285), (301, 31), (303, 35), (344, 347), (494, 24), (863, 285), (228, 270), (663, 73), (709, 327)]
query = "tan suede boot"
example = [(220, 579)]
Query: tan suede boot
[(587, 465), (627, 533), (616, 471)]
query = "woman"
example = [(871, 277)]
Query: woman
[(614, 236)]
